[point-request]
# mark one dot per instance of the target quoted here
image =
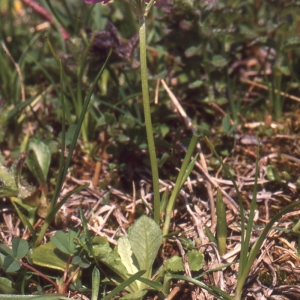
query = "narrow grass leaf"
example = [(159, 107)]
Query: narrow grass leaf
[(257, 245), (221, 223), (123, 285), (215, 291)]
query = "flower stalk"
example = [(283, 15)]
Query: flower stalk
[(147, 115)]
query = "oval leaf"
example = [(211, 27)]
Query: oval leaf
[(38, 159), (145, 238), (20, 247)]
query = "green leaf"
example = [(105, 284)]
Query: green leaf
[(123, 285), (292, 43), (219, 61), (6, 286), (226, 124), (47, 256), (95, 283), (145, 238), (195, 259), (111, 259), (6, 250), (38, 159), (134, 296), (221, 223), (174, 264), (11, 264), (124, 250), (155, 285), (69, 134), (65, 241), (20, 247)]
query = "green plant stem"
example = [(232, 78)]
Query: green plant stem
[(147, 114), (185, 170)]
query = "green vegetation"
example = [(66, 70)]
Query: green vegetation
[(149, 151)]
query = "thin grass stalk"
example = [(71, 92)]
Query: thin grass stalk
[(184, 172), (148, 122), (213, 290), (82, 66), (221, 223), (244, 251)]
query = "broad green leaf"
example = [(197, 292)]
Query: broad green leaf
[(48, 256), (35, 168), (124, 250), (195, 259), (103, 253), (219, 61), (11, 264), (145, 237), (65, 241), (7, 178), (20, 247), (6, 250), (6, 286), (174, 264), (39, 153)]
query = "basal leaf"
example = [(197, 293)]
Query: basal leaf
[(48, 256), (38, 160), (145, 238), (124, 250)]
